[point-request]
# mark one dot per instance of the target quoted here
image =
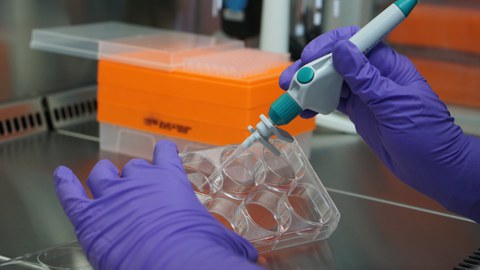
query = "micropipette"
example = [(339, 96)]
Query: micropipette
[(317, 85)]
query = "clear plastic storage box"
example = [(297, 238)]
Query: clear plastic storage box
[(129, 44), (138, 143)]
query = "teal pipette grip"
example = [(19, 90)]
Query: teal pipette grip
[(284, 110)]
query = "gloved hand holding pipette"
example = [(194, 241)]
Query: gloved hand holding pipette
[(391, 105), (402, 120), (148, 217), (317, 85)]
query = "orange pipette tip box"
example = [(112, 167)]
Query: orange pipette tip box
[(162, 123), (202, 112), (249, 92)]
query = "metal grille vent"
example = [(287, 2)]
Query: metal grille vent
[(471, 262), (20, 123), (71, 111), (72, 107), (21, 118)]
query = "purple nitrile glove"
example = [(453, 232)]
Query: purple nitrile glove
[(148, 218), (399, 116)]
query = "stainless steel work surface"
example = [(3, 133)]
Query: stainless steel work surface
[(346, 164), (31, 217), (376, 230), (374, 235)]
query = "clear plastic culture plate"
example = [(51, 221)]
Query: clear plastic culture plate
[(273, 201)]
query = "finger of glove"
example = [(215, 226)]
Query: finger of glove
[(165, 163), (70, 192), (288, 73), (166, 155), (136, 167), (345, 93), (243, 247), (342, 106), (317, 48), (325, 43), (308, 114), (103, 175), (366, 125), (364, 79), (393, 65)]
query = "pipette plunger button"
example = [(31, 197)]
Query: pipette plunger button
[(305, 75)]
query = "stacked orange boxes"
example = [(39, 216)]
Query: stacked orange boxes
[(157, 83), (206, 108)]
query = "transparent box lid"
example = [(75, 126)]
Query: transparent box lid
[(239, 63), (131, 44)]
